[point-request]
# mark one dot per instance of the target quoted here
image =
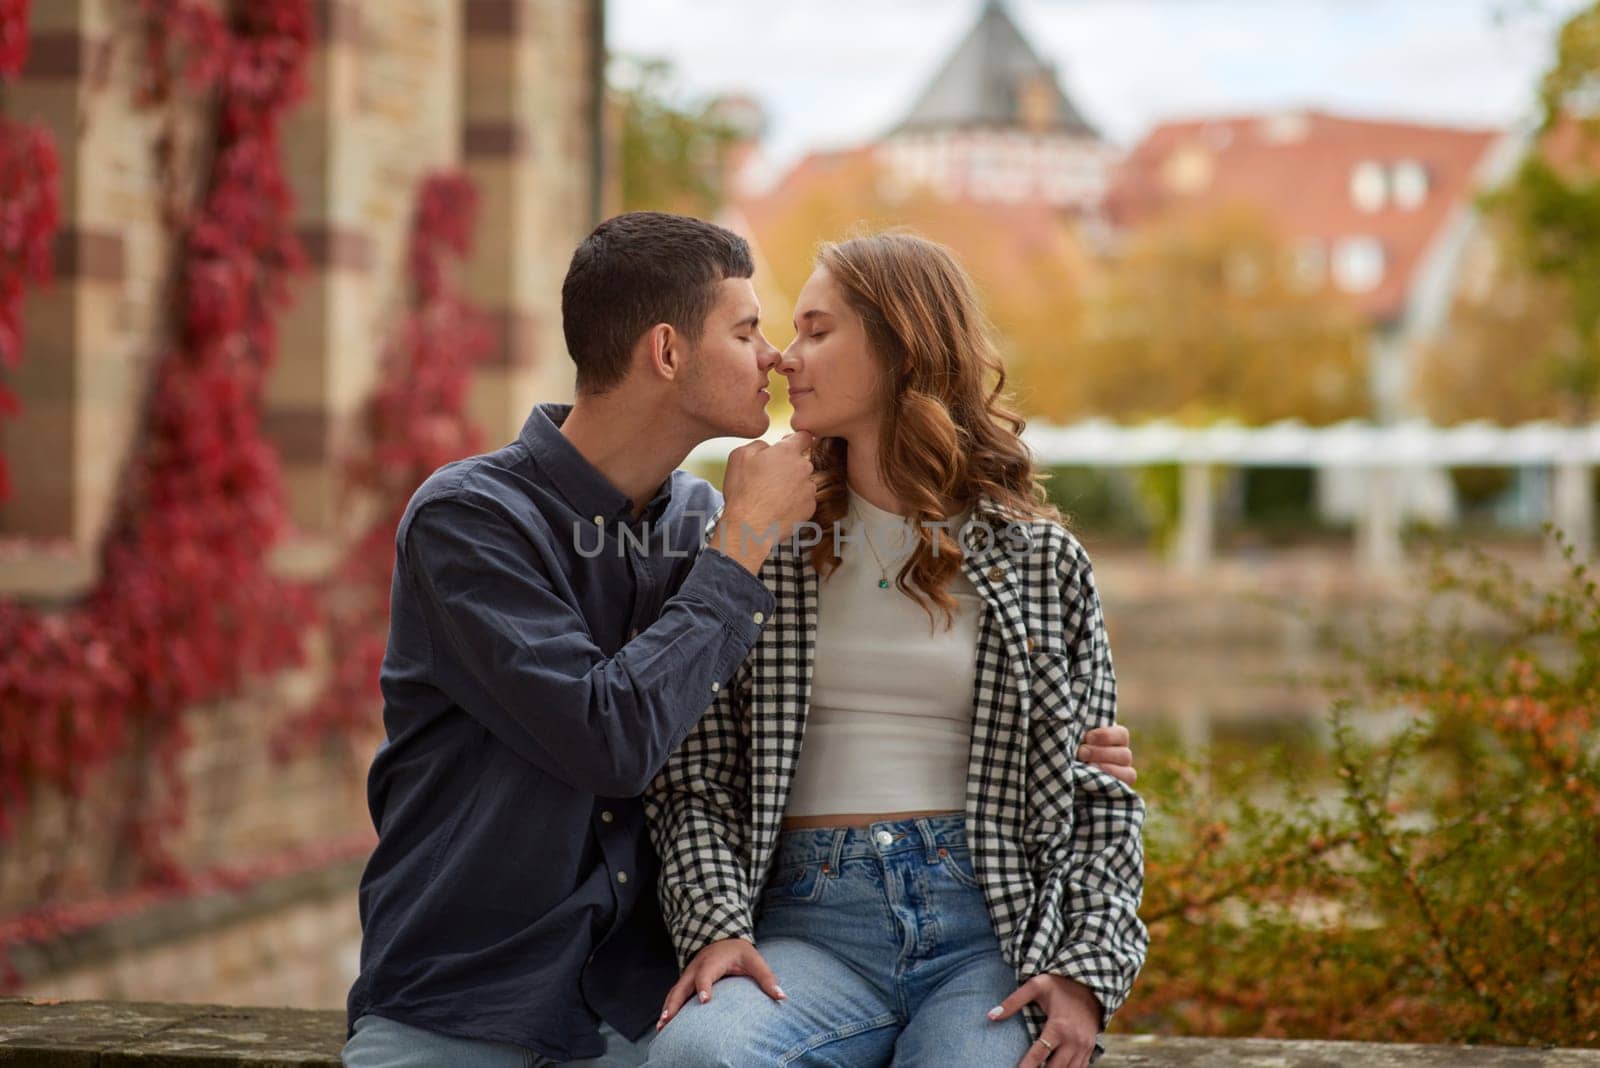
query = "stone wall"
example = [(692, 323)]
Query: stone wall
[(292, 942), (98, 1033)]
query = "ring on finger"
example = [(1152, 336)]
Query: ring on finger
[(1045, 1042)]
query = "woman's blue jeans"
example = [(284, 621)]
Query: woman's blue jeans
[(882, 941)]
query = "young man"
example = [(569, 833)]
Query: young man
[(555, 630)]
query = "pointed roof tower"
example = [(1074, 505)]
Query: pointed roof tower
[(994, 78)]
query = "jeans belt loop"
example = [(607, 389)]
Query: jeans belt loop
[(930, 841), (839, 835)]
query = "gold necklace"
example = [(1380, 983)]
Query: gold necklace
[(883, 572)]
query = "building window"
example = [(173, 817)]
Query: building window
[(1358, 264), (1369, 189), (1188, 170), (1036, 101), (1409, 183), (1310, 264)]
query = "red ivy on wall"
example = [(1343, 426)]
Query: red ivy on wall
[(30, 208), (13, 36), (415, 421), (186, 607)]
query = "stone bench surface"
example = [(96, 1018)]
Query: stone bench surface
[(35, 1031)]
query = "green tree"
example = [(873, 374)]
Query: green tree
[(1552, 211), (671, 155)]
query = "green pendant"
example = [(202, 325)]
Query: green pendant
[(883, 584)]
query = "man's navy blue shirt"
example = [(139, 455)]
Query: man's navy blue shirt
[(546, 653)]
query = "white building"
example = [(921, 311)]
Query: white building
[(994, 126)]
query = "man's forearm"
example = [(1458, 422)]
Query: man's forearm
[(744, 542)]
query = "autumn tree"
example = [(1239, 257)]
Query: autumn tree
[(1201, 318), (1025, 259), (1432, 877), (1492, 361)]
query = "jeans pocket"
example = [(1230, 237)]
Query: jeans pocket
[(957, 863), (795, 884)]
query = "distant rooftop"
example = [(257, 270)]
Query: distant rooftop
[(1384, 190), (994, 78)]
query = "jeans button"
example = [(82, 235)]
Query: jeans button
[(884, 838)]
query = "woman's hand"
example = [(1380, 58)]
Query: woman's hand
[(731, 956), (1067, 1039), (1108, 749)]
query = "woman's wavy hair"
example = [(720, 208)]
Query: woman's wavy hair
[(948, 431)]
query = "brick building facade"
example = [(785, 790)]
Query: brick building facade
[(507, 91)]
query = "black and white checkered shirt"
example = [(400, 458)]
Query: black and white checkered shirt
[(1056, 842)]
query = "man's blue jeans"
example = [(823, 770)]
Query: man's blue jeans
[(882, 941), (383, 1043)]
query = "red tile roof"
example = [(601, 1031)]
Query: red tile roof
[(1296, 169)]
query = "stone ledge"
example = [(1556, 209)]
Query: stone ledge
[(168, 921), (100, 1034), (1158, 1051), (107, 1033)]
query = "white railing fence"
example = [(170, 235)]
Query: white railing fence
[(1385, 454)]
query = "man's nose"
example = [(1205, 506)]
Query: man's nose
[(769, 357)]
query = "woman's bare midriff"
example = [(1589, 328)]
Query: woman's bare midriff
[(856, 819)]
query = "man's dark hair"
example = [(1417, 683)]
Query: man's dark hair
[(637, 270)]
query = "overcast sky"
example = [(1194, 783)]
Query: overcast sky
[(837, 72)]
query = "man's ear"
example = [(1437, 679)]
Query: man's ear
[(664, 349)]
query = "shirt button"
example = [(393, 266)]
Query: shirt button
[(632, 634), (622, 876), (996, 574), (600, 520), (759, 617), (715, 686), (1030, 645), (884, 838), (606, 817)]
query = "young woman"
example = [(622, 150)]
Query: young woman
[(934, 875)]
